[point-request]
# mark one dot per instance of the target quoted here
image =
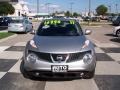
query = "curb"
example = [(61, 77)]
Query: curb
[(94, 26), (4, 39)]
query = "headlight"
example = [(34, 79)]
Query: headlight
[(32, 43), (32, 58), (87, 59), (86, 44)]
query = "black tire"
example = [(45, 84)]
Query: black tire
[(26, 31), (89, 75), (118, 33), (24, 72)]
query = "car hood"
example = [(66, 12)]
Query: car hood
[(118, 27), (56, 44)]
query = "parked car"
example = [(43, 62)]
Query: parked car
[(95, 19), (59, 49), (116, 21), (110, 18), (20, 25), (116, 31), (87, 18), (4, 22)]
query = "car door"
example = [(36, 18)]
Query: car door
[(27, 25), (30, 25)]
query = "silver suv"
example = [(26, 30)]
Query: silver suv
[(59, 49)]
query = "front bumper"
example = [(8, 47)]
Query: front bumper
[(114, 32), (46, 66)]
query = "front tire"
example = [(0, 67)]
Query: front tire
[(24, 72), (89, 75), (118, 33)]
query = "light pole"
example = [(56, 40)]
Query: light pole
[(116, 5), (109, 9), (89, 13), (37, 6), (71, 7)]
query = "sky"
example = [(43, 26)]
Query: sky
[(77, 6)]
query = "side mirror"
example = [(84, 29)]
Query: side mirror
[(33, 32), (88, 32)]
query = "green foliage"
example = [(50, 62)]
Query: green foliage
[(67, 14), (5, 34), (75, 14), (6, 8), (101, 10)]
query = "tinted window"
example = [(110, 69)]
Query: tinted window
[(26, 21), (118, 18), (59, 28), (1, 19)]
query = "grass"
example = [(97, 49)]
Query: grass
[(5, 34)]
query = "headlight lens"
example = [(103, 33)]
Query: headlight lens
[(86, 44), (32, 43), (87, 59), (32, 58)]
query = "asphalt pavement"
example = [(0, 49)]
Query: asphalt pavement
[(107, 74)]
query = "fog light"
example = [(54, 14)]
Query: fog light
[(87, 59), (32, 58)]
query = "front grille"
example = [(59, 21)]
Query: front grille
[(72, 56), (77, 56), (43, 56), (59, 57)]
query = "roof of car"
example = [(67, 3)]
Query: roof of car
[(61, 19)]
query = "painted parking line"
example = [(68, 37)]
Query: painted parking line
[(2, 74), (2, 48)]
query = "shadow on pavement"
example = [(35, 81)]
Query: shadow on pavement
[(115, 40), (110, 35)]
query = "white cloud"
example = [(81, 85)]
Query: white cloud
[(54, 6), (23, 2)]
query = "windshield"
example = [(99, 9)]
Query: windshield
[(17, 21), (59, 28)]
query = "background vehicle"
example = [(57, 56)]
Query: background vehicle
[(95, 19), (20, 25), (116, 21), (60, 49), (116, 31), (4, 22), (87, 18)]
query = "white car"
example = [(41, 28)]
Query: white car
[(116, 31), (20, 25)]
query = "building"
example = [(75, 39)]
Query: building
[(21, 8)]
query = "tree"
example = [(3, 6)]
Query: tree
[(68, 14), (75, 14), (6, 8), (101, 10)]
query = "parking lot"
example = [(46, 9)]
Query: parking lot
[(107, 74)]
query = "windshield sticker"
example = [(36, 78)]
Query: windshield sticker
[(72, 22), (45, 27), (55, 22), (52, 22)]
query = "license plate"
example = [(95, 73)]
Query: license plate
[(59, 68)]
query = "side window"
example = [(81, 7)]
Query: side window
[(26, 22), (79, 28)]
